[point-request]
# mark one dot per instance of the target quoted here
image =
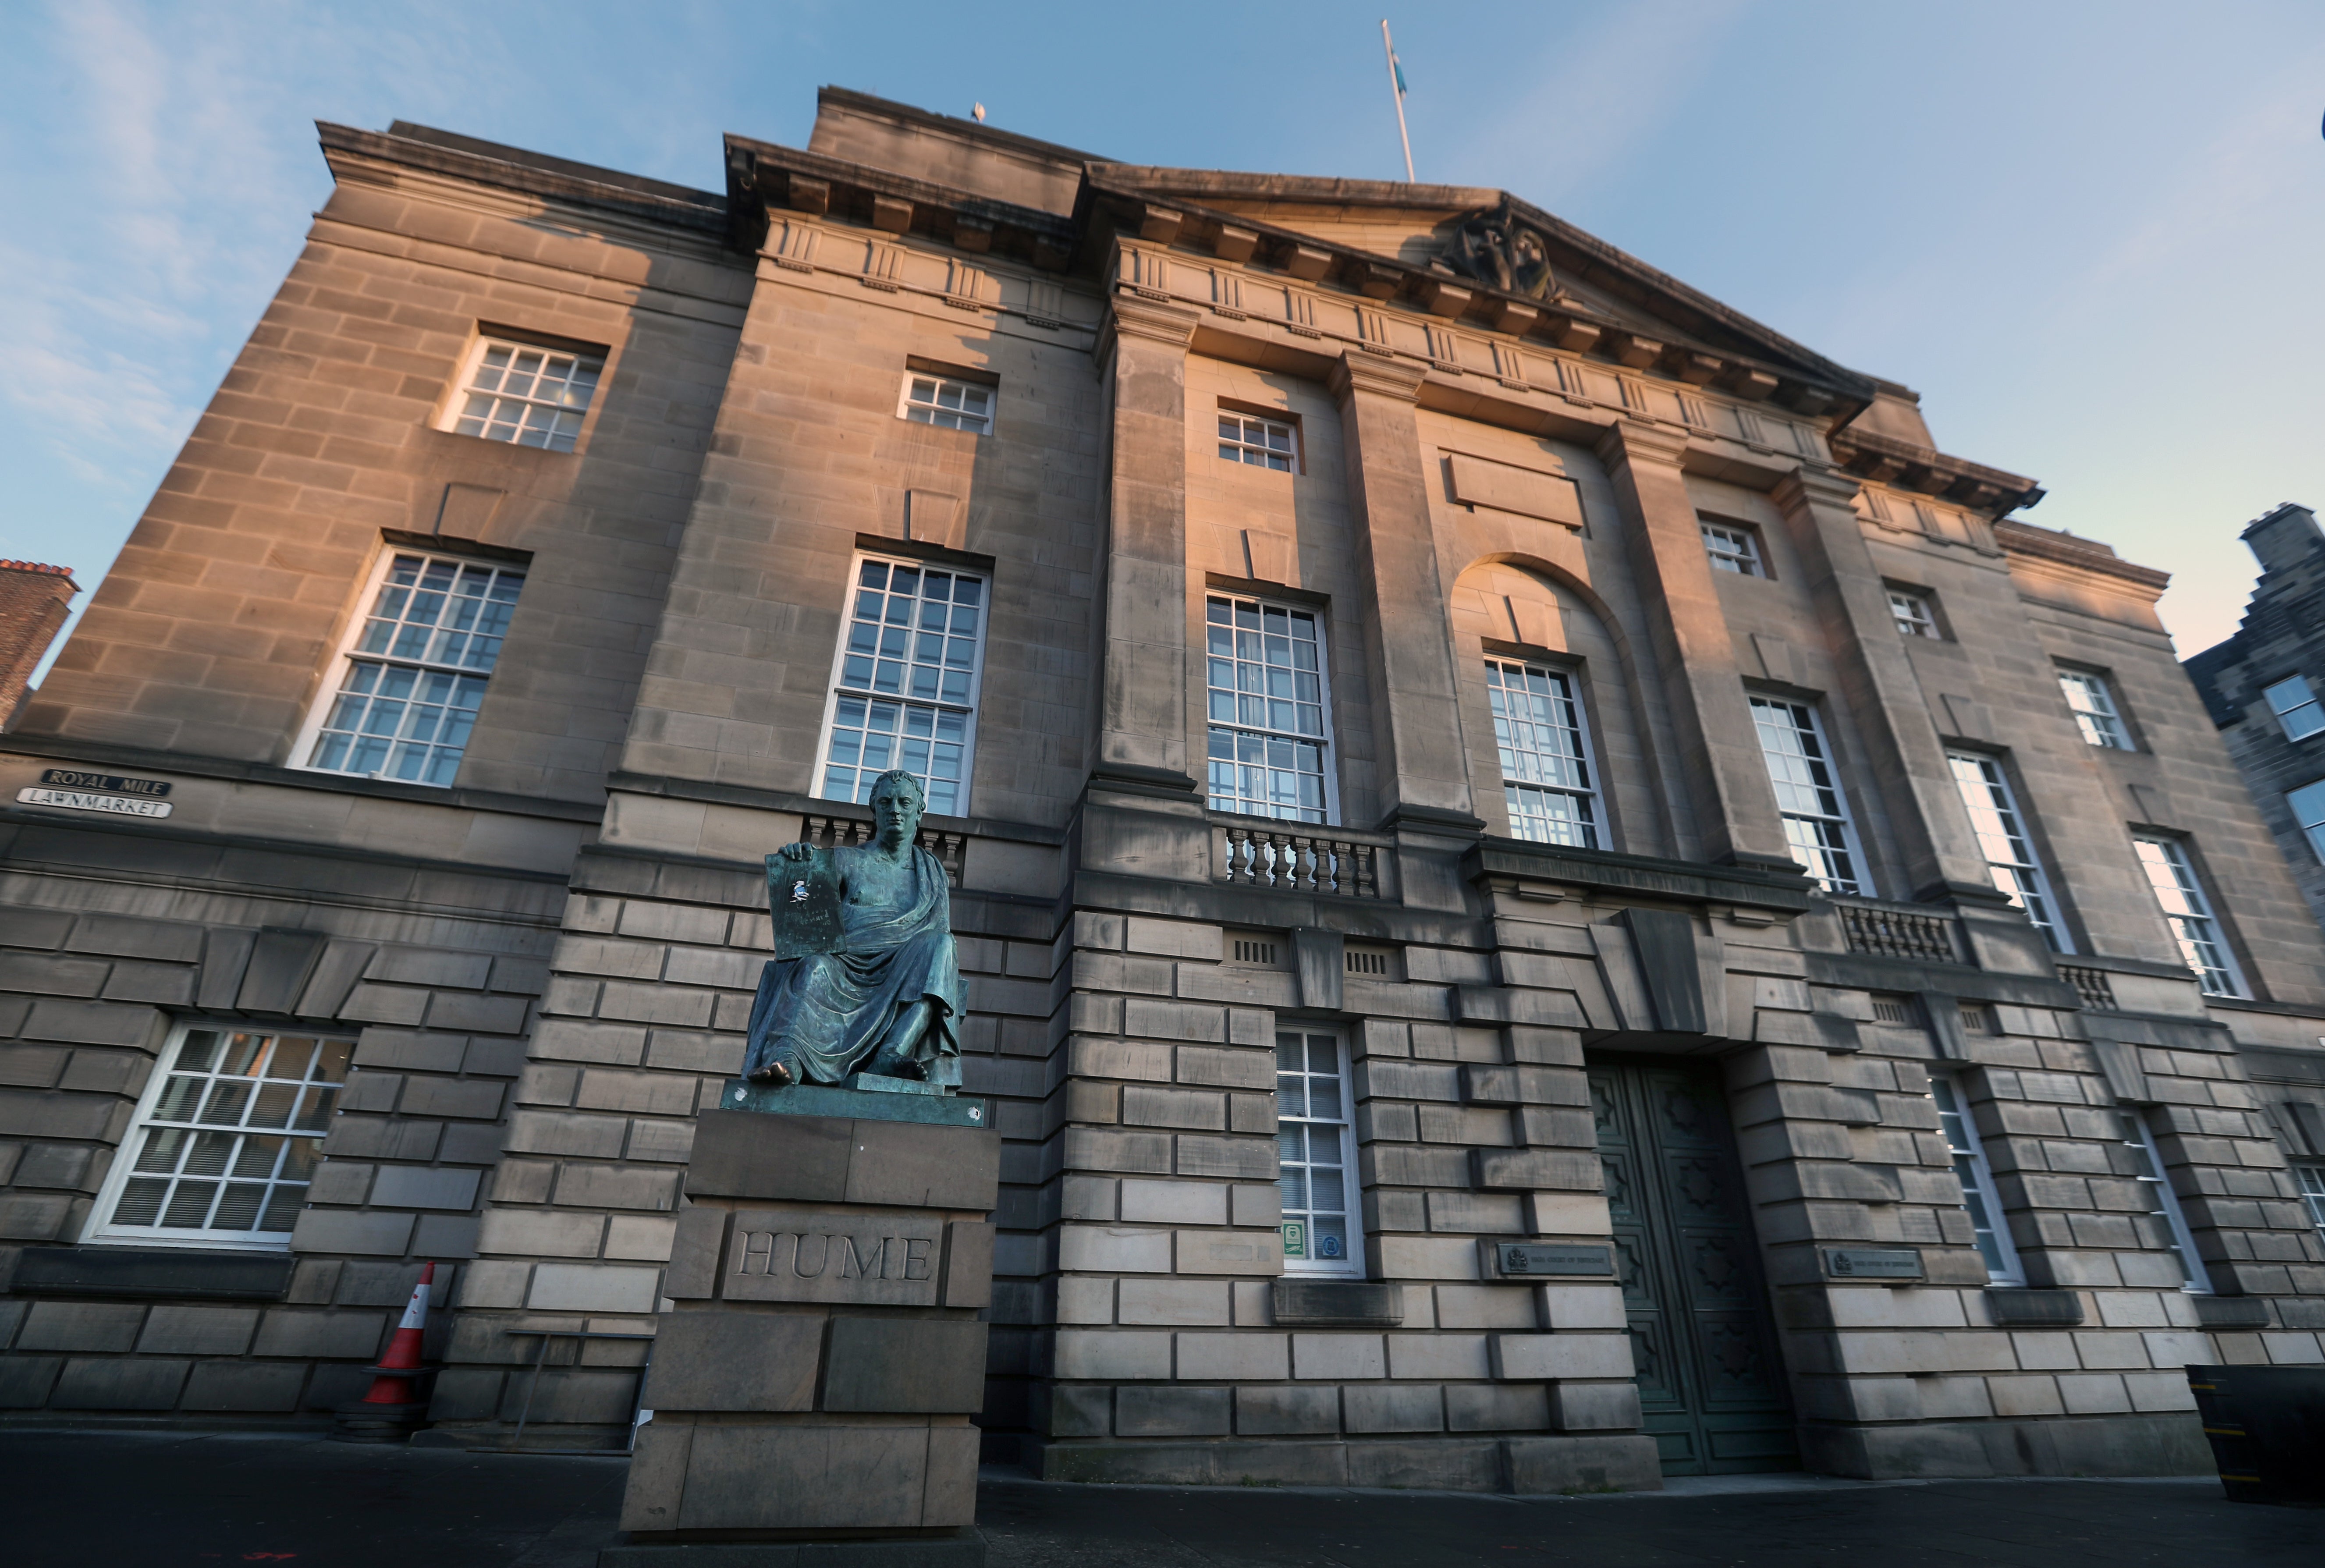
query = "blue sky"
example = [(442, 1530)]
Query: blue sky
[(2089, 233)]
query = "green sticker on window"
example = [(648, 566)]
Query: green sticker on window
[(1295, 1238)]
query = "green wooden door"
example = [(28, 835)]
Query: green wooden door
[(1710, 1381)]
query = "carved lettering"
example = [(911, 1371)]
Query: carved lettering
[(757, 1249), (815, 1255), (823, 1257), (852, 1262), (916, 1263)]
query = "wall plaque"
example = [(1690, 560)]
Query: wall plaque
[(83, 801), (1873, 1262), (1552, 1257), (73, 778)]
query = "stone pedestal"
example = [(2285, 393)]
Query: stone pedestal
[(813, 1385)]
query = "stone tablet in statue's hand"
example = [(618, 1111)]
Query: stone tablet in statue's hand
[(801, 852)]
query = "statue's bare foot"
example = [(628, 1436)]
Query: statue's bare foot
[(773, 1074)]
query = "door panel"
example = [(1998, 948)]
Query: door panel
[(1710, 1386)]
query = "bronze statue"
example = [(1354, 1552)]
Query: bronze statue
[(864, 978)]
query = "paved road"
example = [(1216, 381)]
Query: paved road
[(126, 1499)]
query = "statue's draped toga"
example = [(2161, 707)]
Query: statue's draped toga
[(824, 1014)]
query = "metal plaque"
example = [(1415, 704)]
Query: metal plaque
[(1554, 1258), (82, 801), (1873, 1262), (73, 778), (804, 897)]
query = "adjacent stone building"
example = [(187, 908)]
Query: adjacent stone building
[(1552, 893), (34, 601)]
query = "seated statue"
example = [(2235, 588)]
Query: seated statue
[(884, 997)]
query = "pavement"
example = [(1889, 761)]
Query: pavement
[(175, 1499)]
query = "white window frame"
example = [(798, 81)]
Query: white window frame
[(2295, 703), (933, 410), (566, 415), (2097, 714), (2147, 1168), (1253, 442), (839, 689), (2310, 1178), (1352, 1266), (1733, 547), (1980, 1198), (1915, 612), (2203, 928), (1329, 763), (1568, 693), (350, 652), (102, 1229), (2307, 805), (1861, 883), (2002, 838)]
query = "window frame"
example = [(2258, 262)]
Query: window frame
[(1924, 626), (1852, 845), (2003, 804), (2197, 1275), (1328, 742), (2089, 720), (837, 691), (454, 407), (1592, 793), (1353, 1265), (2003, 1265), (2309, 1180), (309, 738), (905, 403), (103, 1230), (2313, 831), (1755, 555), (2190, 885), (2308, 700), (1250, 455)]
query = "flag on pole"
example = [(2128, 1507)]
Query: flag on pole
[(1397, 69), (1397, 91)]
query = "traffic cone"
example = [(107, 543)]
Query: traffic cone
[(403, 1350)]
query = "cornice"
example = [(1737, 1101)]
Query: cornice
[(1902, 465), (2024, 539), (1357, 370), (1129, 316), (1536, 870), (510, 168), (761, 176)]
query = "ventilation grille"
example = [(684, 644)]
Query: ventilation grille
[(1975, 1019), (1361, 962), (1892, 1010), (1251, 950)]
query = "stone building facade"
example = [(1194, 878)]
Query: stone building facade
[(1551, 893), (34, 599)]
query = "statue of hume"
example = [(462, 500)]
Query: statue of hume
[(864, 978)]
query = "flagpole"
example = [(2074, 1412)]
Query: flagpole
[(1396, 91)]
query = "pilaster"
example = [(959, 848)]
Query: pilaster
[(1143, 726), (1408, 646), (1726, 781)]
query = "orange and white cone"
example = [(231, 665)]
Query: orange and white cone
[(403, 1350)]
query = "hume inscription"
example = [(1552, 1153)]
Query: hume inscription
[(831, 1256), (811, 1253)]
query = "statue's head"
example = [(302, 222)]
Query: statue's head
[(898, 803)]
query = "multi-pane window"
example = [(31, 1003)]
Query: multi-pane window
[(2296, 708), (2312, 1192), (1264, 443), (415, 668), (1316, 1159), (1808, 793), (1733, 548), (227, 1139), (2163, 1204), (939, 400), (906, 696), (1545, 755), (1914, 617), (2002, 836), (1265, 668), (2308, 804), (528, 396), (2093, 708), (1977, 1178), (2190, 915)]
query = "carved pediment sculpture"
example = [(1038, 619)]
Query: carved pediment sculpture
[(1497, 250)]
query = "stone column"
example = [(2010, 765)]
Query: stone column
[(1726, 780), (1142, 690), (814, 1379), (1878, 683), (1408, 650)]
